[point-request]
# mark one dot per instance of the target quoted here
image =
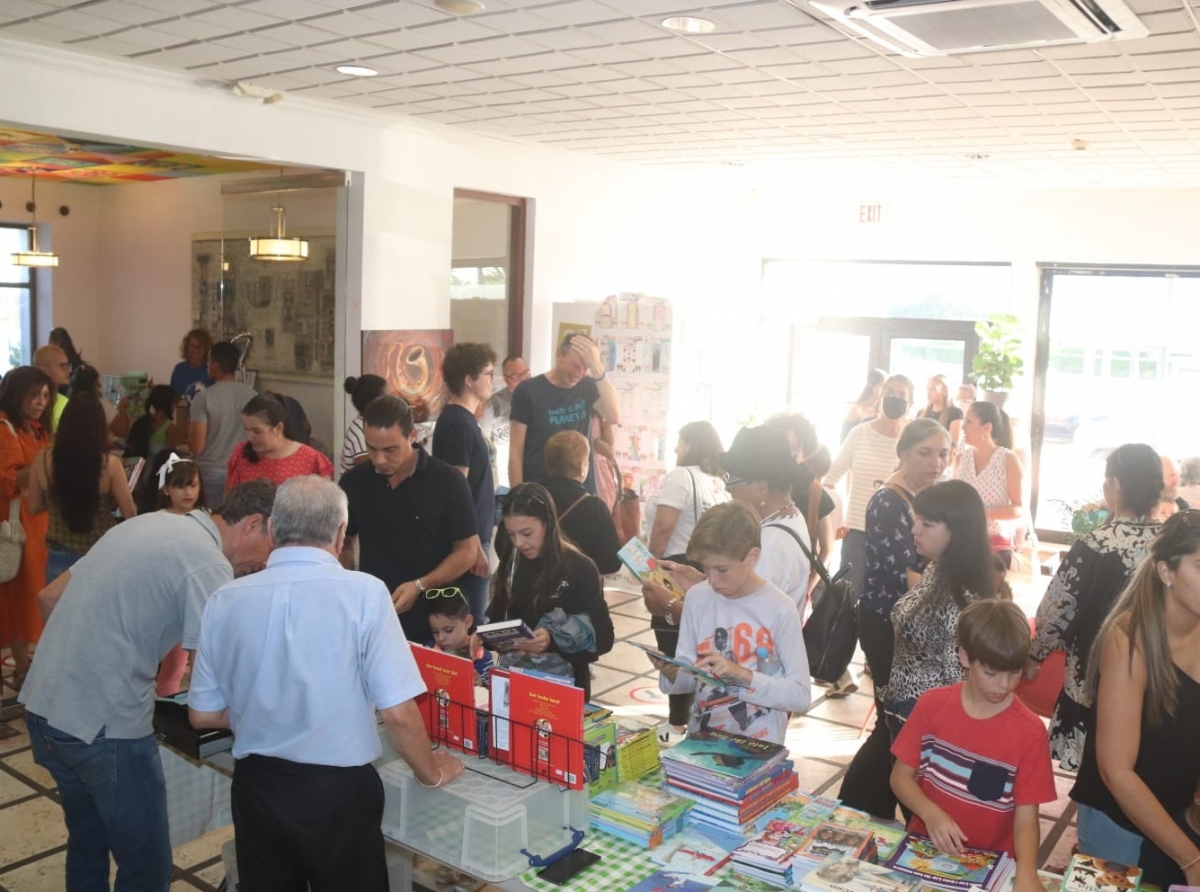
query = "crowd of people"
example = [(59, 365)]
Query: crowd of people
[(259, 571)]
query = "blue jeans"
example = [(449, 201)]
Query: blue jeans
[(114, 800), (1102, 837), (214, 487), (59, 561)]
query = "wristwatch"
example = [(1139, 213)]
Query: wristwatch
[(419, 586), (669, 618)]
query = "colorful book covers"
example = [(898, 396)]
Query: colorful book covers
[(723, 754), (918, 857), (448, 707), (1086, 873), (546, 729), (840, 872)]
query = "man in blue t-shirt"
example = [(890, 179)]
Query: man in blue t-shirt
[(562, 399), (468, 370)]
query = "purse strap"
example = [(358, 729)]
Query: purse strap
[(571, 507), (695, 496), (813, 560)]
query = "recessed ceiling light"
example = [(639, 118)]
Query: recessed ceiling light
[(357, 70), (686, 24), (459, 7)]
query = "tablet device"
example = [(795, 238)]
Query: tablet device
[(566, 867)]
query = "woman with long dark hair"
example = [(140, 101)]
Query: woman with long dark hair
[(940, 407), (162, 426), (950, 532), (24, 429), (1087, 583), (551, 585), (79, 483), (696, 484), (269, 453), (1141, 759), (866, 406), (362, 391), (987, 462)]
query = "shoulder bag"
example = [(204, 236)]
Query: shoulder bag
[(831, 633), (12, 534), (627, 512)]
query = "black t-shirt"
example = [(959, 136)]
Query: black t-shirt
[(802, 486), (407, 531), (458, 441), (579, 591), (589, 524), (1160, 868), (545, 409), (953, 414)]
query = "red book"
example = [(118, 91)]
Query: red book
[(449, 706), (546, 736)]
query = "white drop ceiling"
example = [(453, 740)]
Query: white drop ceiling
[(774, 85)]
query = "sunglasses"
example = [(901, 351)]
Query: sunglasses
[(449, 592)]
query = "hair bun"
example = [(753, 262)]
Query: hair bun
[(350, 384)]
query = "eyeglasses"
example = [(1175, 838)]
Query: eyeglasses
[(731, 480), (449, 592)]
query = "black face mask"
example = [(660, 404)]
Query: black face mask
[(894, 407)]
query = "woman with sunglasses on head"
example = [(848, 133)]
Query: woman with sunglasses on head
[(1138, 776), (1087, 583), (551, 585)]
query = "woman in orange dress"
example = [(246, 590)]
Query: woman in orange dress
[(24, 420)]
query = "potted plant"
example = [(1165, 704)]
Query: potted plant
[(998, 360)]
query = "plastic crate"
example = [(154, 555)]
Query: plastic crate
[(481, 821)]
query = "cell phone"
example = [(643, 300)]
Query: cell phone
[(566, 867)]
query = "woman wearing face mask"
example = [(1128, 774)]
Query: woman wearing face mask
[(869, 455), (551, 585), (892, 565), (987, 462)]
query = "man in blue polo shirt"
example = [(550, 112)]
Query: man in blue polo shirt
[(296, 659), (412, 517)]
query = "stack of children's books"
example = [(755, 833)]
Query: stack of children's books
[(769, 855), (840, 872), (638, 814), (600, 748), (696, 850), (828, 838), (918, 857), (637, 747), (1087, 873), (734, 779)]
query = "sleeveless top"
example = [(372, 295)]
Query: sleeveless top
[(61, 537), (991, 482), (1168, 759)]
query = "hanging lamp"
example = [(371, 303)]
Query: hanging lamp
[(277, 246), (34, 257)]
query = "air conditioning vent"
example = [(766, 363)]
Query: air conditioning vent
[(942, 27)]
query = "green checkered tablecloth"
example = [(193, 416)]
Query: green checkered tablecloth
[(622, 865)]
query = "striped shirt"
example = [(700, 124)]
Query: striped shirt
[(870, 457), (354, 445)]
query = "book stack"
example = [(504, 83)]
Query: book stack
[(918, 857), (696, 851), (828, 838), (600, 749), (637, 749), (769, 856), (1087, 873), (840, 872), (734, 779), (638, 813)]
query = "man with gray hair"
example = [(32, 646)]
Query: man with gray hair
[(296, 659)]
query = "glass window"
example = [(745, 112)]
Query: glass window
[(16, 299)]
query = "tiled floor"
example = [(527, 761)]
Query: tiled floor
[(32, 835)]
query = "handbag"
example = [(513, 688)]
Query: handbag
[(831, 633), (12, 535), (627, 512)]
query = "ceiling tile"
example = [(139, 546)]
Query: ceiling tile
[(578, 12), (235, 18), (399, 15)]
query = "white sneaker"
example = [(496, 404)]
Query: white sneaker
[(669, 735), (844, 686)]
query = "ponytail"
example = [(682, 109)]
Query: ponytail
[(990, 413)]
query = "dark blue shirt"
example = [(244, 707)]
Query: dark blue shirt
[(458, 441), (545, 409), (190, 381), (890, 551)]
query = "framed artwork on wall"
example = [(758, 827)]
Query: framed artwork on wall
[(411, 362)]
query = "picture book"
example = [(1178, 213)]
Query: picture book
[(725, 754), (642, 802), (600, 754), (448, 707), (499, 697), (546, 728), (637, 557), (1087, 873), (918, 857), (711, 680), (695, 852), (674, 881), (828, 838), (840, 872), (494, 635), (739, 882), (778, 842)]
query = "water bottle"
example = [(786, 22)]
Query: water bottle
[(768, 663)]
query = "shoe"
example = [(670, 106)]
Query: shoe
[(843, 687), (669, 735)]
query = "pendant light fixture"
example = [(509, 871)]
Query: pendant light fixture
[(277, 246), (34, 257)]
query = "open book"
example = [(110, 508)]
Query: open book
[(709, 679), (637, 557)]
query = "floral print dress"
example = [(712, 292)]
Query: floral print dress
[(1096, 569)]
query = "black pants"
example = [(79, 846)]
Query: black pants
[(867, 785), (667, 638), (307, 826)]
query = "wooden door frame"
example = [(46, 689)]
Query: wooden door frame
[(520, 261)]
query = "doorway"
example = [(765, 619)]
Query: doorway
[(829, 361)]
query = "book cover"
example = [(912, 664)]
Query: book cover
[(637, 557), (493, 635), (827, 838), (778, 842), (841, 873), (918, 857), (711, 680), (448, 707), (546, 719), (1087, 873), (499, 697), (600, 754), (695, 852), (674, 881), (642, 803), (724, 754)]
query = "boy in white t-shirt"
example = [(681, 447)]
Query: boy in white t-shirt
[(740, 628)]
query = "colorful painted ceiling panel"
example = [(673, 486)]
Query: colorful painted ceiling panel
[(102, 164)]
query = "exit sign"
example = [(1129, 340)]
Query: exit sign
[(872, 213)]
